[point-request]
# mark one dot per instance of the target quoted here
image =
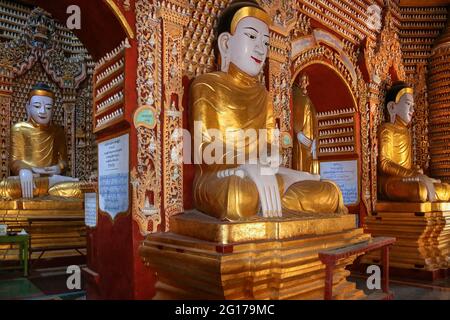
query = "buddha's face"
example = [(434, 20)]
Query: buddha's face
[(404, 109), (247, 48), (40, 109)]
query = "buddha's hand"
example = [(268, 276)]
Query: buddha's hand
[(314, 149), (26, 183), (52, 170), (266, 184), (429, 183), (304, 140)]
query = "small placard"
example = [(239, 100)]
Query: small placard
[(113, 180), (145, 116), (345, 175), (3, 229), (90, 209), (286, 140)]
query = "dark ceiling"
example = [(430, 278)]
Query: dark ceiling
[(100, 30)]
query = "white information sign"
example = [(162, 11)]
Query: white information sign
[(90, 209), (345, 175), (113, 175)]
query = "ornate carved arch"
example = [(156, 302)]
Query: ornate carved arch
[(37, 44), (323, 48)]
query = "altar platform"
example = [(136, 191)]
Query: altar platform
[(203, 258), (56, 227), (423, 237)]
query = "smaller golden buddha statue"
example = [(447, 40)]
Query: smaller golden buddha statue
[(305, 129), (38, 154), (398, 179)]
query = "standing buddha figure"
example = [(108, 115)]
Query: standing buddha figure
[(305, 129), (398, 179), (38, 154), (226, 103)]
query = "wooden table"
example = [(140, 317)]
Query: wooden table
[(330, 258), (23, 241)]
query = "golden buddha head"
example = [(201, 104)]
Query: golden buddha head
[(243, 37), (400, 102), (40, 104)]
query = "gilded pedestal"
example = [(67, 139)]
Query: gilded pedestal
[(53, 223), (204, 258), (422, 231)]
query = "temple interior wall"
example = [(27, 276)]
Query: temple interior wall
[(365, 52)]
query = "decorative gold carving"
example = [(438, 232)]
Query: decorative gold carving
[(420, 120), (146, 177), (347, 18), (198, 46), (174, 20), (439, 99), (366, 151), (280, 92)]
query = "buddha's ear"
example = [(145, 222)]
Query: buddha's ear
[(391, 111), (224, 49)]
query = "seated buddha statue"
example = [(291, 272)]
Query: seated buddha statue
[(224, 104), (398, 179), (305, 129), (38, 154)]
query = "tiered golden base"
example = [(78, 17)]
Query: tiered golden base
[(53, 223), (422, 231), (203, 258)]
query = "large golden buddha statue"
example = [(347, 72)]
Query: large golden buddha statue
[(398, 179), (231, 109), (38, 153)]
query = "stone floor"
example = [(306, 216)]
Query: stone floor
[(42, 284), (409, 290)]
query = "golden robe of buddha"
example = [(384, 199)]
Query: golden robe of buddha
[(34, 145), (305, 122), (228, 101), (398, 180)]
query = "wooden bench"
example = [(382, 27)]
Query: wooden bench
[(331, 257)]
